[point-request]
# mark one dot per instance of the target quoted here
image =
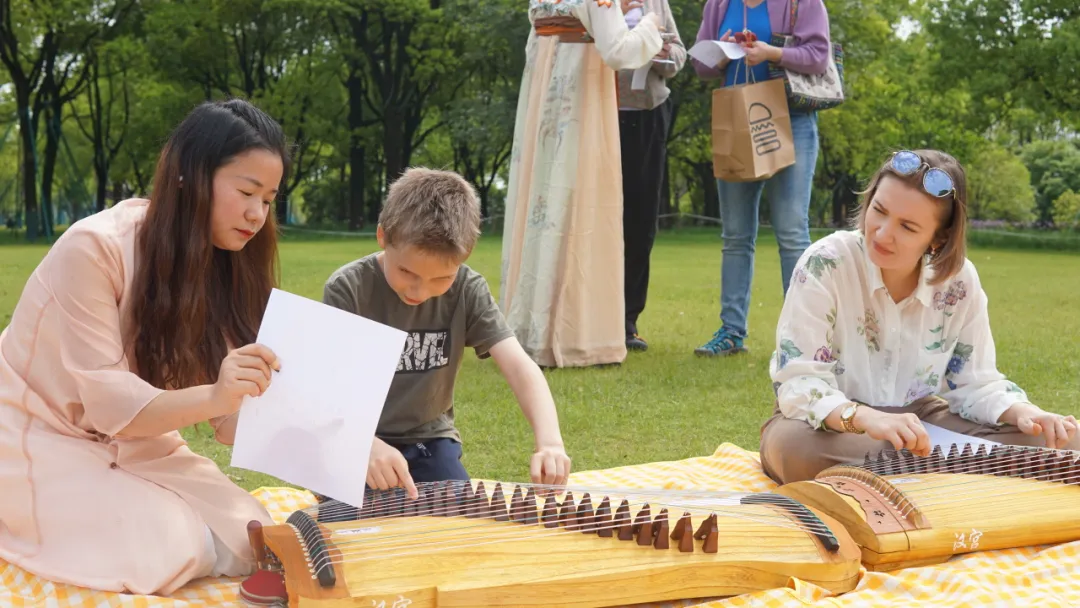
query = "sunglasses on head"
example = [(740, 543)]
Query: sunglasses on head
[(935, 182)]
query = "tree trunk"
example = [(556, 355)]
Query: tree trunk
[(393, 150), (485, 195), (708, 186), (355, 86), (356, 187), (281, 211), (341, 209), (101, 172), (29, 164), (376, 186), (665, 195), (97, 134), (140, 179), (844, 200), (53, 133), (119, 192)]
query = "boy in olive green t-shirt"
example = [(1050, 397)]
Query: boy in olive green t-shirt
[(420, 284)]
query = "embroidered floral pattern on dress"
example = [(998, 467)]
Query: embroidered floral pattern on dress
[(788, 350), (538, 215), (827, 354), (823, 259), (815, 396), (831, 353), (870, 329), (551, 8), (1013, 388), (951, 297), (558, 110), (923, 385), (961, 355)]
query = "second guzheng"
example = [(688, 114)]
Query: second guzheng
[(905, 510), (493, 544)]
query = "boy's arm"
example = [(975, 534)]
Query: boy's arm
[(487, 332), (550, 464)]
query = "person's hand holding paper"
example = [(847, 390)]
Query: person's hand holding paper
[(245, 372), (314, 427), (717, 53)]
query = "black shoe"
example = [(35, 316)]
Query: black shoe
[(634, 342)]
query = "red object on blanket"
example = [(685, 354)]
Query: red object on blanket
[(264, 588)]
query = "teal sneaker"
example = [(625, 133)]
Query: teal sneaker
[(722, 343)]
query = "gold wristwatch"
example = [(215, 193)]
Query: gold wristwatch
[(847, 417)]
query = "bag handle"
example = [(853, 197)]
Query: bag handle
[(749, 72), (794, 14)]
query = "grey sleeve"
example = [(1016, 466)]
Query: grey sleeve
[(485, 325), (339, 292)]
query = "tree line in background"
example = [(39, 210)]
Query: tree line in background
[(89, 89)]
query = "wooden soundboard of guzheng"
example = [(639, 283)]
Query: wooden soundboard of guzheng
[(905, 510), (459, 545)]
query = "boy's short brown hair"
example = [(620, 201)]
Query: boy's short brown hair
[(432, 210)]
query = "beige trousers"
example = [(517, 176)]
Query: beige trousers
[(791, 450)]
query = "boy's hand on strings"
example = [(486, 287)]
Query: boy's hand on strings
[(387, 468), (901, 430), (1056, 429), (550, 465), (245, 371)]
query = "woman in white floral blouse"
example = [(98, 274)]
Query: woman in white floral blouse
[(885, 331)]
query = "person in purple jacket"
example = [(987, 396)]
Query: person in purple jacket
[(789, 189)]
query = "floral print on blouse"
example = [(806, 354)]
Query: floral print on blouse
[(841, 338)]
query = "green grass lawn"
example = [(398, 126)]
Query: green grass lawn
[(667, 404)]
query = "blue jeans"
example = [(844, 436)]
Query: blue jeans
[(789, 203), (434, 460)]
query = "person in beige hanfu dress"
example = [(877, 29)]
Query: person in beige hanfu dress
[(121, 337), (562, 257)]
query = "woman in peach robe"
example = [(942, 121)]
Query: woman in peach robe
[(120, 339), (562, 253)]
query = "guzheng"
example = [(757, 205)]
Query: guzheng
[(904, 510), (529, 545)]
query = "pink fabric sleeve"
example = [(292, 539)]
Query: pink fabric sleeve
[(86, 281)]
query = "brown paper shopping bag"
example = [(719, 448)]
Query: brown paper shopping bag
[(751, 131)]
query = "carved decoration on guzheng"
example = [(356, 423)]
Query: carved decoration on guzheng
[(906, 510)]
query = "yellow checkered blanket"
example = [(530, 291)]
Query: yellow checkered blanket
[(1037, 576)]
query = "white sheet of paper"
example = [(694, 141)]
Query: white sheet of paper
[(710, 52), (640, 74), (314, 425), (945, 438)]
